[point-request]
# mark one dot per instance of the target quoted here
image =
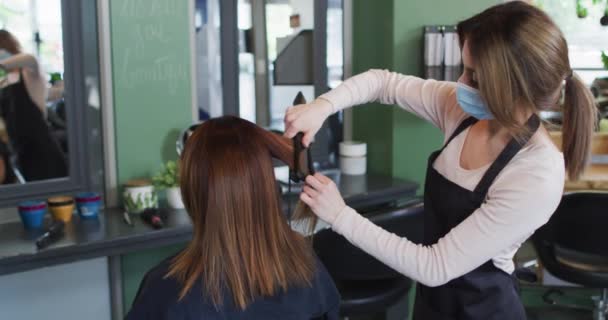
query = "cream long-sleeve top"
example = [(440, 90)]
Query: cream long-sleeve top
[(522, 198)]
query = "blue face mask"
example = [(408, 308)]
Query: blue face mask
[(471, 102), (4, 54)]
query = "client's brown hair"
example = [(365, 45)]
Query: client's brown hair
[(242, 243)]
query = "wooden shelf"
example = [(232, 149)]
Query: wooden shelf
[(596, 175), (599, 145)]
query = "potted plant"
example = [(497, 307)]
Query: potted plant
[(168, 178)]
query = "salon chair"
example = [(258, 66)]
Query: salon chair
[(573, 246), (367, 286)]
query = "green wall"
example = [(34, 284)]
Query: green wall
[(414, 139), (151, 68), (412, 16), (151, 77), (388, 34), (373, 48)]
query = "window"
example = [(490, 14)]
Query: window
[(19, 17), (586, 37), (335, 43)]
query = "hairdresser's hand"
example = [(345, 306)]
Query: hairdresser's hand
[(307, 118), (322, 196)]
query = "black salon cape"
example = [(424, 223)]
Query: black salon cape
[(157, 300)]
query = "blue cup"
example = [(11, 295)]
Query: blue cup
[(88, 204), (32, 214)]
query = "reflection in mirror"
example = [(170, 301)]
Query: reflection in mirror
[(247, 98), (335, 42), (267, 30), (208, 59), (33, 131), (271, 75), (285, 20)]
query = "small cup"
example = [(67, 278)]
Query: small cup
[(61, 207), (353, 165), (88, 204), (139, 195), (32, 214)]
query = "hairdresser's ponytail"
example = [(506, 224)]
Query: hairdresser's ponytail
[(579, 121)]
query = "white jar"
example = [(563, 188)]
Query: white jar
[(174, 198), (139, 195), (353, 165), (353, 160)]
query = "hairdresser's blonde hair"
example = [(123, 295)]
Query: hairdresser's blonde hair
[(521, 62)]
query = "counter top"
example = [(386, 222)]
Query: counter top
[(595, 176), (109, 235)]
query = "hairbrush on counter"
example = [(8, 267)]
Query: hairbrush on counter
[(152, 217), (53, 233)]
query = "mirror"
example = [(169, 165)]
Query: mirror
[(277, 55), (286, 47), (273, 31), (61, 136), (33, 123), (270, 51)]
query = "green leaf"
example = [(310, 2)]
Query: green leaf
[(154, 200), (168, 176), (581, 10), (129, 204), (139, 202), (605, 60)]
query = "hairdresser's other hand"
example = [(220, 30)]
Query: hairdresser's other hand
[(322, 196), (307, 118)]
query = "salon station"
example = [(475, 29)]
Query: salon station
[(132, 130)]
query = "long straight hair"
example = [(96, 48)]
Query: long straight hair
[(522, 64), (242, 244)]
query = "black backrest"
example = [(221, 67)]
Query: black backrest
[(347, 262), (577, 232), (580, 223)]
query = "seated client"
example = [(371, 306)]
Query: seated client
[(244, 261)]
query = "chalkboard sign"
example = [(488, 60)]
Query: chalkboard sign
[(150, 44)]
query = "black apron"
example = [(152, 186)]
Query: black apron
[(487, 292), (39, 155)]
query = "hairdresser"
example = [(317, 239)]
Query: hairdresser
[(498, 176), (23, 93)]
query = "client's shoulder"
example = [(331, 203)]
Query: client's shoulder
[(325, 282), (156, 285), (157, 293), (162, 268), (157, 276), (322, 291)]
